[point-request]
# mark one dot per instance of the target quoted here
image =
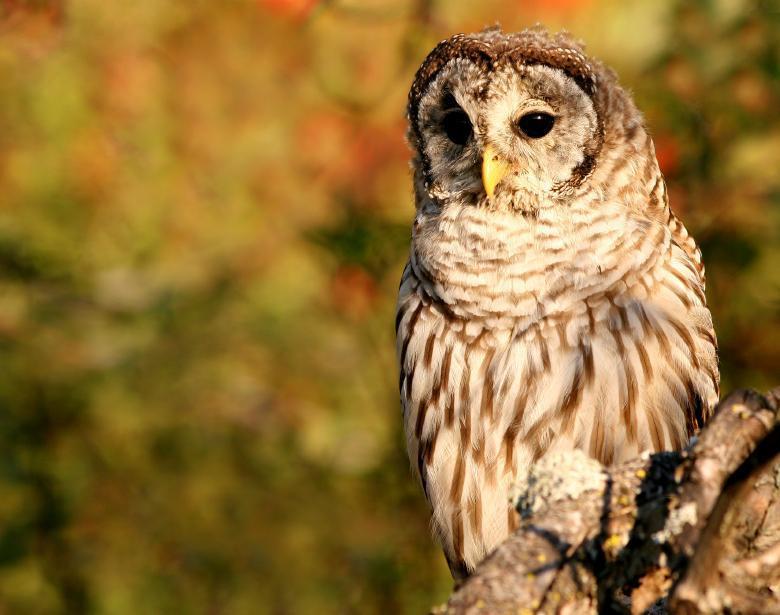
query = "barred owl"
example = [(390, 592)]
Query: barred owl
[(552, 300)]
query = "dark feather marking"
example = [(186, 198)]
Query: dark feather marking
[(456, 489), (623, 315), (655, 427), (422, 410), (694, 412), (699, 408), (504, 388), (677, 387), (621, 348), (410, 379), (715, 377), (444, 376), (457, 533), (425, 452), (428, 353), (545, 353), (449, 410), (572, 398), (465, 410), (644, 319), (608, 452), (421, 470), (676, 438), (627, 403), (589, 369), (687, 339), (663, 341), (644, 359), (535, 437), (486, 405), (629, 417), (517, 420), (405, 346), (431, 447), (682, 297), (707, 334), (561, 329), (696, 288), (479, 450), (475, 514), (597, 435)]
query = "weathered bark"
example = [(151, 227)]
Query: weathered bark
[(690, 532)]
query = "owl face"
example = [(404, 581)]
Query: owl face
[(509, 125)]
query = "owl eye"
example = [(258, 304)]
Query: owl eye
[(536, 125), (457, 126)]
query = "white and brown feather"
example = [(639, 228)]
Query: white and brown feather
[(528, 325)]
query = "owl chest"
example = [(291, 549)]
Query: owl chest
[(508, 352), (514, 272), (507, 396)]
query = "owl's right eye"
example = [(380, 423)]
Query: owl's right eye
[(457, 126)]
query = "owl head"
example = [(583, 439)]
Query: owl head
[(513, 121)]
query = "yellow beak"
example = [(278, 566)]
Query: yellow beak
[(494, 168)]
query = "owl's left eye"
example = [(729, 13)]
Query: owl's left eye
[(536, 125), (457, 126)]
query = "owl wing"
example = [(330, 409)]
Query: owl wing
[(682, 238), (699, 408)]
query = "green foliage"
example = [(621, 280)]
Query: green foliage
[(204, 213)]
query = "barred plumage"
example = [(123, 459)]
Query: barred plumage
[(565, 310)]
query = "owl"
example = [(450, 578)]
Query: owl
[(552, 301)]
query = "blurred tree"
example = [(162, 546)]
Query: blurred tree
[(204, 210)]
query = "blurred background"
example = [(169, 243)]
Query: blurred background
[(204, 214)]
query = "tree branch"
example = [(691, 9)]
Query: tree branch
[(698, 531)]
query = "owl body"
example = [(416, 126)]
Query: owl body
[(560, 306)]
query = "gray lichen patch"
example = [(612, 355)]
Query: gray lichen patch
[(678, 519), (563, 475)]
